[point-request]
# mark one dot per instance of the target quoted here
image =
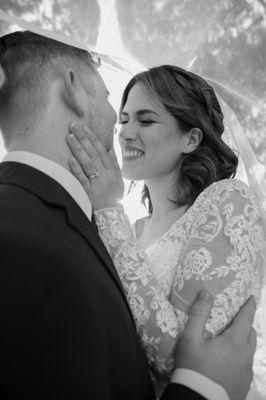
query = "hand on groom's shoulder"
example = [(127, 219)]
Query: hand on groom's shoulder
[(224, 361)]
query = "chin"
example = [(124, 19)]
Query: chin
[(130, 175)]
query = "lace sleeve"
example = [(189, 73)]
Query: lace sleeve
[(157, 322), (224, 253)]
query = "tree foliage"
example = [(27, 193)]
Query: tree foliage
[(79, 18)]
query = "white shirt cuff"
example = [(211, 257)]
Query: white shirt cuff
[(200, 384)]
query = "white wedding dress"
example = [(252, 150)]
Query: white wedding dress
[(217, 244)]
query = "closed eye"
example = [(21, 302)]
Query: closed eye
[(147, 122), (142, 122)]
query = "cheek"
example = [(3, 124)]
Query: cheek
[(109, 117), (93, 117), (163, 157), (164, 146)]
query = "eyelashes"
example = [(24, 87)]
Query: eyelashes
[(146, 122), (143, 122)]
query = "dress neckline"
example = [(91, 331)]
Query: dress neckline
[(186, 213), (189, 210), (175, 223)]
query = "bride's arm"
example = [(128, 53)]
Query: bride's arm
[(223, 253), (157, 321)]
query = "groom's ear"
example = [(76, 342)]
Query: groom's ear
[(73, 93)]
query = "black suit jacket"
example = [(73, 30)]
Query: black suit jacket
[(66, 330)]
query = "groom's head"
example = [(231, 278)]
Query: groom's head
[(46, 79)]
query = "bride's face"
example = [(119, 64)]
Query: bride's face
[(150, 137)]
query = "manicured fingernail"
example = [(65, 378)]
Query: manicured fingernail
[(204, 296)]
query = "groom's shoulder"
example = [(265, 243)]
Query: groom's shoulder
[(20, 210), (14, 198), (25, 225)]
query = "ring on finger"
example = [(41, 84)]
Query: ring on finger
[(93, 174)]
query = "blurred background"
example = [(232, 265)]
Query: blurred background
[(223, 40)]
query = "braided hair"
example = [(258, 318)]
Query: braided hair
[(193, 103)]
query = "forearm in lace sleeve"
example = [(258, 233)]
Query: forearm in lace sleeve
[(158, 323)]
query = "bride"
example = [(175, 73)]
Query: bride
[(204, 228)]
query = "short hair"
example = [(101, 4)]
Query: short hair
[(193, 103), (29, 61)]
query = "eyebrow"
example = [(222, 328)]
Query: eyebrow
[(141, 112)]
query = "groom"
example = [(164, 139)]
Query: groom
[(66, 330)]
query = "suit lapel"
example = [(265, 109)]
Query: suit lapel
[(52, 193)]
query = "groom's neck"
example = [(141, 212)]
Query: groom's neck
[(45, 133), (47, 140)]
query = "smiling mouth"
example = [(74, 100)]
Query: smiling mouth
[(130, 155)]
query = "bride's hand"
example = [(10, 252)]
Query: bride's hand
[(95, 168)]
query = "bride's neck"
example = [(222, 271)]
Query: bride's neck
[(160, 193)]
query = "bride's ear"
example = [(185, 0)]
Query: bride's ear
[(192, 140), (73, 94)]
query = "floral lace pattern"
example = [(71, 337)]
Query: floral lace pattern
[(217, 244)]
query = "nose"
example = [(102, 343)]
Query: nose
[(127, 133), (113, 115)]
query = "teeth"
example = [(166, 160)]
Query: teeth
[(132, 153)]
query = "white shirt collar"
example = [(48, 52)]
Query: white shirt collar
[(56, 172)]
